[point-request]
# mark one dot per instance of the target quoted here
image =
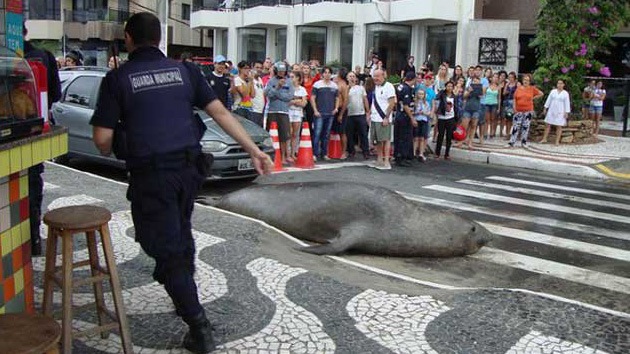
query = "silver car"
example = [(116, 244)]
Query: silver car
[(76, 107)]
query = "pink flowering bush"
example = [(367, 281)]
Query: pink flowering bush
[(570, 34)]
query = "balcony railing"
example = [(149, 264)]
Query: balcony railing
[(219, 5), (108, 15)]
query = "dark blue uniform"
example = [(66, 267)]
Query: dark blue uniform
[(403, 129), (153, 97)]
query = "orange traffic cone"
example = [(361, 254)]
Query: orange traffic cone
[(334, 146), (276, 145), (305, 152)]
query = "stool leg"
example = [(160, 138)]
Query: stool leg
[(116, 291), (49, 272), (98, 286), (67, 292)]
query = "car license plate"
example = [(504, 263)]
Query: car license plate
[(245, 164)]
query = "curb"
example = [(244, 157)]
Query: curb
[(532, 163), (607, 171)]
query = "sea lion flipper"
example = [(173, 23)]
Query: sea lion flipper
[(346, 240), (328, 248)]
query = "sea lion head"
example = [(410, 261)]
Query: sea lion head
[(477, 237)]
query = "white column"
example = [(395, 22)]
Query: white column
[(292, 54), (359, 45), (419, 43), (217, 40), (232, 47), (467, 11), (270, 46)]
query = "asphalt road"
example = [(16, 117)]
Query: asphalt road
[(562, 240), (554, 234)]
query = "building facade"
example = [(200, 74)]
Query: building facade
[(493, 33), (95, 26)]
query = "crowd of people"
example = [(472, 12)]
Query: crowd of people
[(370, 114)]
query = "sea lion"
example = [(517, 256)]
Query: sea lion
[(356, 217)]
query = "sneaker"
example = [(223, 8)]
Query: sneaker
[(524, 144), (387, 166), (510, 144), (314, 158), (326, 158)]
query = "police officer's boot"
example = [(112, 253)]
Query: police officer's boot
[(199, 337)]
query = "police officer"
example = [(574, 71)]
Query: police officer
[(153, 97), (35, 182), (405, 122)]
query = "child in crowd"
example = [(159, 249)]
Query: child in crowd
[(421, 132)]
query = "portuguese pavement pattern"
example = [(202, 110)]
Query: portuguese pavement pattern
[(260, 302)]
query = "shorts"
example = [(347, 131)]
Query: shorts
[(596, 109), (284, 126), (380, 133), (586, 106), (507, 109), (340, 127), (491, 108), (482, 114), (471, 114), (295, 117), (422, 130)]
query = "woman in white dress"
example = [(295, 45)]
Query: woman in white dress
[(556, 112)]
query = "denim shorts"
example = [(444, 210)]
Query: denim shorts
[(471, 114), (422, 130), (491, 108), (596, 109)]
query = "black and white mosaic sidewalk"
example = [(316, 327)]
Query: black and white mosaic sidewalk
[(263, 296)]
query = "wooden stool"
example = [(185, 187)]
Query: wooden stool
[(22, 333), (64, 223)]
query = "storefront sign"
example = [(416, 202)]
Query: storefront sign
[(14, 37)]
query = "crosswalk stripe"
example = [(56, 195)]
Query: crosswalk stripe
[(555, 269), (598, 202), (530, 203), (585, 247), (559, 187), (620, 235)]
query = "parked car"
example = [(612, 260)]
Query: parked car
[(76, 107)]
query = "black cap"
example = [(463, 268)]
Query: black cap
[(410, 76)]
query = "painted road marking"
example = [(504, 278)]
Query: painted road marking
[(554, 269), (584, 247), (621, 235), (559, 187), (598, 202), (530, 203), (610, 172)]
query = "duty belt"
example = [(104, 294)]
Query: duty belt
[(167, 161)]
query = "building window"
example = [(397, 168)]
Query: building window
[(186, 12), (281, 43), (392, 44), (44, 10), (441, 44), (346, 46), (252, 44), (224, 42), (312, 43)]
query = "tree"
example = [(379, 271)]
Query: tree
[(569, 34)]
